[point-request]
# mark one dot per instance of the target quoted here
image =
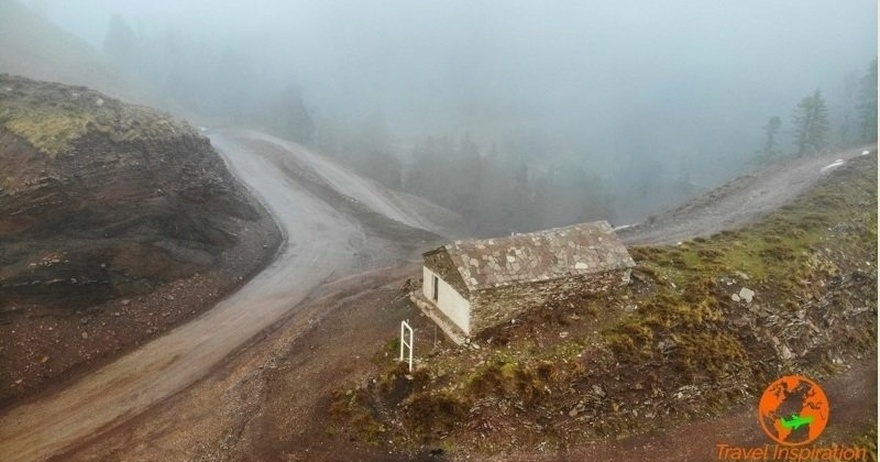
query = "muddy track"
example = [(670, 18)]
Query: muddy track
[(320, 243)]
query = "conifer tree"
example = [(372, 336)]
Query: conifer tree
[(812, 125), (771, 146)]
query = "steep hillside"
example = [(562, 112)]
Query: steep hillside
[(116, 222), (35, 47), (704, 326)]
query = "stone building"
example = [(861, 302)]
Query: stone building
[(469, 286)]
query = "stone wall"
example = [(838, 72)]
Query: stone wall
[(491, 307)]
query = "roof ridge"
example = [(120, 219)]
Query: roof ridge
[(566, 251)]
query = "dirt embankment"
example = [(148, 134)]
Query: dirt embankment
[(116, 224), (325, 241)]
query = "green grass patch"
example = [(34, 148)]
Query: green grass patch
[(52, 117)]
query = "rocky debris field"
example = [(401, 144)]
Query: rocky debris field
[(116, 223)]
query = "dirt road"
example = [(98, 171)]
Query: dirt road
[(740, 201), (320, 243)]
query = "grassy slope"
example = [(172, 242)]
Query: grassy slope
[(51, 116), (674, 344)]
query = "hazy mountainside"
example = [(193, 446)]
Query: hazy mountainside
[(99, 201), (35, 47)]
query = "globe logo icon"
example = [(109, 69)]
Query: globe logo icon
[(793, 410)]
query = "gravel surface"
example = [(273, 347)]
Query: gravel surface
[(740, 202)]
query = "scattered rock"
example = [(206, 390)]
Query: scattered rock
[(785, 352), (577, 409), (742, 275), (745, 294), (85, 335)]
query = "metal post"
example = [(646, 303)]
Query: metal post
[(404, 343)]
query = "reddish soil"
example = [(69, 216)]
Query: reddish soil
[(264, 403), (44, 349), (271, 401), (114, 241)]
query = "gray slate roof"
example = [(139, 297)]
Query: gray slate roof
[(540, 256)]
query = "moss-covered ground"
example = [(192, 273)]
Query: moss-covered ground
[(52, 116), (682, 341)]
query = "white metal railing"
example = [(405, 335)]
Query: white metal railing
[(406, 344)]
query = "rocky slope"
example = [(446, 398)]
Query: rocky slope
[(116, 222)]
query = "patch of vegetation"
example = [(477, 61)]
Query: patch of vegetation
[(52, 116), (704, 326), (869, 442), (49, 132)]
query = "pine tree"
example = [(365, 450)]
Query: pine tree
[(770, 148), (812, 125)]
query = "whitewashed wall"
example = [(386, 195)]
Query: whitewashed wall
[(449, 301)]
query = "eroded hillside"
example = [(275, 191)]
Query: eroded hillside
[(116, 222)]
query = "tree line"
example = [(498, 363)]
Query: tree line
[(812, 128), (497, 191)]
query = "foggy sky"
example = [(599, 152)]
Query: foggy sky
[(678, 78), (538, 56)]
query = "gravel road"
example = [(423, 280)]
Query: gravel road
[(739, 202), (320, 243)]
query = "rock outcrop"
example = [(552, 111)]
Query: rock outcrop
[(102, 201), (99, 198)]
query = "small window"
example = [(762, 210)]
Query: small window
[(435, 283)]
